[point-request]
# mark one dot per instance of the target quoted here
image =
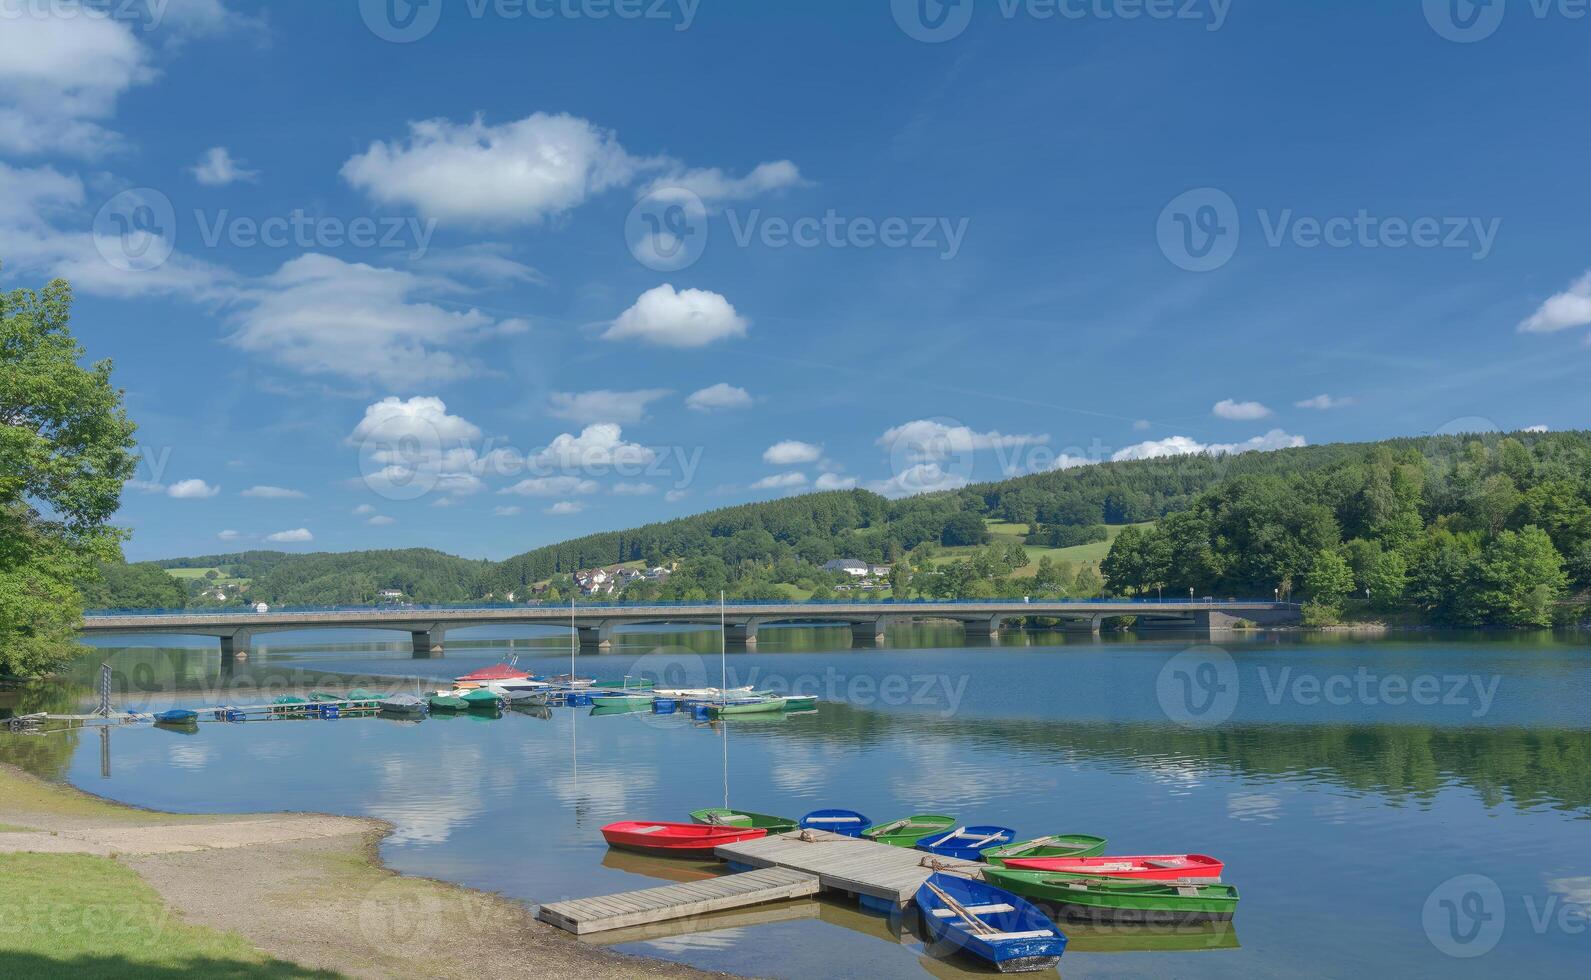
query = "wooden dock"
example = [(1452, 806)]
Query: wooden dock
[(881, 877), (678, 901)]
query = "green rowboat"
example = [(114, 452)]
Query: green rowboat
[(770, 706), (323, 696), (620, 705), (719, 817), (481, 699), (630, 684), (1100, 899), (446, 702), (800, 702), (1058, 846), (907, 831)]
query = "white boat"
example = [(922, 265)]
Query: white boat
[(703, 693)]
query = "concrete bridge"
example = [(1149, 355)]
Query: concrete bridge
[(427, 625)]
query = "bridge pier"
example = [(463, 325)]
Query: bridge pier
[(427, 643), (1088, 624), (597, 637), (868, 633), (238, 643), (983, 628), (741, 634)]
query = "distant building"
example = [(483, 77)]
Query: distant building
[(849, 566), (390, 594), (878, 571)]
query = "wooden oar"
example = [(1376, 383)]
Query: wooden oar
[(973, 922), (984, 840), (949, 836), (886, 828), (1033, 845)]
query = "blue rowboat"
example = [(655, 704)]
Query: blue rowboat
[(177, 716), (964, 843), (847, 822), (980, 920)]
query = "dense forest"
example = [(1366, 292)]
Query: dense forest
[(1470, 530)]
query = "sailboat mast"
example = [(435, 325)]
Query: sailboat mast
[(723, 647), (574, 639)]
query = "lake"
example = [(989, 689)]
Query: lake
[(1412, 806)]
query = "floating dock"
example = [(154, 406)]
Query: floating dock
[(684, 900), (881, 877)]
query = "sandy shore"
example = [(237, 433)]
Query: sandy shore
[(308, 888)]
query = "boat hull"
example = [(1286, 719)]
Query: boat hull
[(1057, 845), (918, 826), (675, 839), (719, 817), (1024, 939), (846, 822), (771, 706), (968, 844), (1093, 898), (1144, 867)]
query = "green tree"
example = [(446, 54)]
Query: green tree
[(900, 580), (963, 529), (66, 448), (1518, 580), (1329, 580)]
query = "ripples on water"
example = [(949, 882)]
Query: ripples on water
[(1336, 821)]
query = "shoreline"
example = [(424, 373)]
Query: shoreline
[(306, 888)]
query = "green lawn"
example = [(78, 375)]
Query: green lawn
[(84, 917), (187, 574), (1092, 553)]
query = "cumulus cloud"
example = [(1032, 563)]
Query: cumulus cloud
[(790, 452), (1565, 310), (597, 446), (551, 486), (604, 406), (563, 507), (675, 496), (321, 315), (381, 520), (1537, 428), (364, 509), (488, 262), (509, 511), (519, 172), (423, 419), (634, 489), (1185, 446), (714, 186), (781, 481), (228, 535), (274, 493), (920, 478), (834, 481), (926, 440), (296, 535), (1324, 403), (721, 396), (216, 168), (49, 103), (684, 318), (1239, 411), (191, 490)]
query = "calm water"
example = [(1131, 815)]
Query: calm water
[(1345, 783)]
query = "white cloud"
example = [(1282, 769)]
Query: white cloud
[(296, 535), (485, 262), (563, 507), (1239, 411), (423, 419), (1142, 425), (516, 173), (921, 478), (675, 496), (1324, 403), (926, 440), (1066, 462), (719, 396), (229, 535), (596, 447), (274, 493), (61, 75), (381, 520), (364, 509), (714, 186), (791, 453), (634, 489), (1537, 428), (191, 490), (604, 406), (686, 318), (321, 315), (834, 481), (506, 511), (1184, 446), (216, 168), (1570, 308), (551, 486), (146, 486), (781, 481)]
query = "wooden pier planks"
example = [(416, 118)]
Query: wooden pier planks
[(587, 915), (859, 867)]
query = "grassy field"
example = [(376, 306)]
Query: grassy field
[(74, 915), (188, 574), (1092, 553)]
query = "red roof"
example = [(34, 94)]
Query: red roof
[(501, 672)]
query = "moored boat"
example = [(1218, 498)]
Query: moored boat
[(497, 673), (800, 702), (907, 831), (482, 699), (680, 839), (324, 697), (703, 693), (959, 914), (628, 684), (403, 704), (447, 702), (619, 704), (361, 694), (749, 706), (847, 822), (720, 817), (1151, 867), (176, 717), (1056, 845), (966, 843), (1103, 899)]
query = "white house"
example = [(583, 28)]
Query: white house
[(849, 566)]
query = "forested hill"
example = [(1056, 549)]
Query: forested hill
[(1252, 523)]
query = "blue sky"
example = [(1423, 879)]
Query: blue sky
[(530, 272)]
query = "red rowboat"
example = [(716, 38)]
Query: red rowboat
[(681, 839), (1158, 867)]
